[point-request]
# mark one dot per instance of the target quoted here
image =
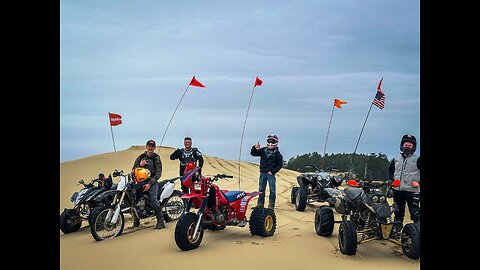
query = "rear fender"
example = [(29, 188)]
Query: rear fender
[(241, 206), (167, 190), (300, 181)]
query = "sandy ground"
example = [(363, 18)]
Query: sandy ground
[(295, 244)]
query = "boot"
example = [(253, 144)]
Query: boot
[(160, 222), (271, 205), (136, 222)]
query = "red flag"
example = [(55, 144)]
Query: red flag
[(257, 82), (194, 82), (380, 84), (338, 103), (115, 119)]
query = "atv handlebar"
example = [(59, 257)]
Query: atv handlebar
[(329, 169), (82, 182), (218, 176), (373, 184), (117, 173)]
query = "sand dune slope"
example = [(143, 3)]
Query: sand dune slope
[(295, 244)]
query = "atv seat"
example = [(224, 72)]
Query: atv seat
[(234, 195), (353, 193)]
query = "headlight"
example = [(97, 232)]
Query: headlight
[(383, 199), (197, 186), (375, 199)]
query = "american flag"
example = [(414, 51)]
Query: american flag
[(379, 100)]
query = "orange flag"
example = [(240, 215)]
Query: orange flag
[(338, 103), (194, 82)]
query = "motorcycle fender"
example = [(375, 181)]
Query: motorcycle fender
[(167, 190), (196, 199), (241, 205)]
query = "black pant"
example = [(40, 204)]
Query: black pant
[(413, 201), (184, 188)]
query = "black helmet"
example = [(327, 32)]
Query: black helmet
[(408, 138)]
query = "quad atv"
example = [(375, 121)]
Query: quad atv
[(367, 216), (217, 208), (312, 187), (83, 203)]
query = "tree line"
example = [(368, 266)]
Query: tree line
[(371, 166)]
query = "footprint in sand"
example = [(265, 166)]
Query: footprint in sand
[(256, 243), (295, 229), (239, 242), (397, 251)]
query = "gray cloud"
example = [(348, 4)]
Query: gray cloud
[(137, 58)]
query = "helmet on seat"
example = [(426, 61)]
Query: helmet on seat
[(140, 174), (408, 138)]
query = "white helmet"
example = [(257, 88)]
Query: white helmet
[(272, 141)]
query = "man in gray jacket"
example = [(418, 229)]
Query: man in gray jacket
[(406, 168)]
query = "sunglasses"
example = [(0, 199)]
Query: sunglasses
[(271, 141)]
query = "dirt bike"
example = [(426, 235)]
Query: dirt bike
[(108, 221), (83, 203), (217, 209), (367, 216), (312, 187)]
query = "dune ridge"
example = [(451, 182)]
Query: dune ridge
[(295, 244)]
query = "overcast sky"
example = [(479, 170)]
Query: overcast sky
[(136, 58)]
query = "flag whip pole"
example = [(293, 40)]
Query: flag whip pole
[(243, 132), (328, 130), (161, 142), (114, 148), (351, 162)]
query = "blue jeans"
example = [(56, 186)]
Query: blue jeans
[(263, 179)]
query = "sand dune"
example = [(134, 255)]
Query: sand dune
[(295, 244)]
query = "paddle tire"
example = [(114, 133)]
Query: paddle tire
[(324, 221), (301, 199), (294, 194), (184, 232), (347, 238), (69, 223), (100, 228), (263, 222), (411, 240)]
